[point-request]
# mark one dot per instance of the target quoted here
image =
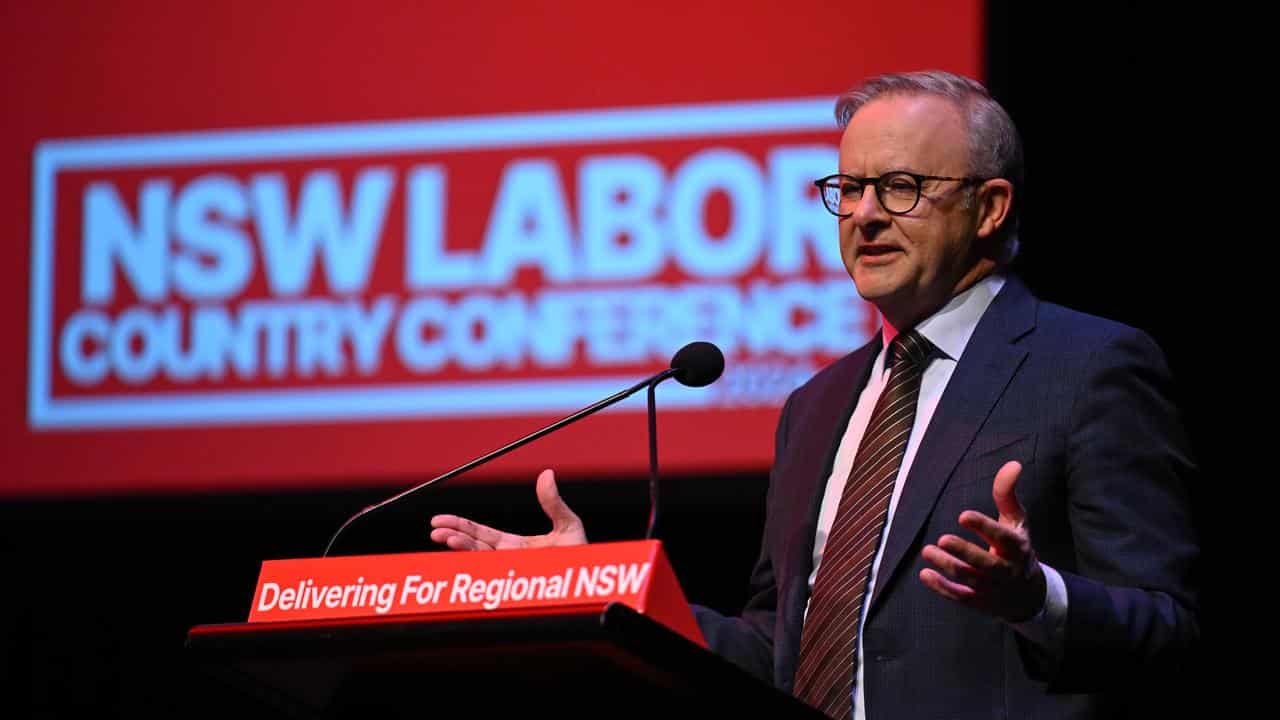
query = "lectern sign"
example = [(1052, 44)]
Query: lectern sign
[(633, 573)]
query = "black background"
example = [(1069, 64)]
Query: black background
[(1100, 98)]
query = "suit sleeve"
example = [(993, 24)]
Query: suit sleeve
[(1132, 604), (747, 641)]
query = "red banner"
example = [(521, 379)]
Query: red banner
[(636, 574), (266, 265)]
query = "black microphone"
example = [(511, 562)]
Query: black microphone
[(696, 365)]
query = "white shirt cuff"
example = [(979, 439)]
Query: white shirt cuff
[(1048, 628)]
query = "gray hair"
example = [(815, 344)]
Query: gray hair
[(995, 150)]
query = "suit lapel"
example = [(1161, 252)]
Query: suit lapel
[(989, 362)]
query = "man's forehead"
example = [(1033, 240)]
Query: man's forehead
[(924, 133)]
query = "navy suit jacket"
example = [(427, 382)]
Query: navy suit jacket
[(1084, 404)]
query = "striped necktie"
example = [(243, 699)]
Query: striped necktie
[(829, 641)]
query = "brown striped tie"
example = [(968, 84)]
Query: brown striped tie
[(829, 640)]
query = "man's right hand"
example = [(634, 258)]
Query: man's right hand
[(463, 534)]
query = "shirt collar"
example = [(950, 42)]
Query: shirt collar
[(950, 328)]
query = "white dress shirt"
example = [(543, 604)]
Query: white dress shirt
[(949, 330)]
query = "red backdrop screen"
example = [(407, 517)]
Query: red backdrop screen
[(267, 245)]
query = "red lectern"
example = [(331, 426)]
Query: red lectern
[(595, 631)]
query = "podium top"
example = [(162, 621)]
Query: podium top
[(564, 660)]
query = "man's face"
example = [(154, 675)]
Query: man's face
[(909, 265)]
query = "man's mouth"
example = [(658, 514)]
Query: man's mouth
[(873, 251)]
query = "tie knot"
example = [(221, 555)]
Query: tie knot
[(910, 348)]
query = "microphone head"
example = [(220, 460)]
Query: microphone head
[(697, 364)]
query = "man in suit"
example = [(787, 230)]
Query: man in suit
[(998, 483)]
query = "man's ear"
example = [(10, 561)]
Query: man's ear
[(994, 201)]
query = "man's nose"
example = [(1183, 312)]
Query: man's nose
[(868, 210)]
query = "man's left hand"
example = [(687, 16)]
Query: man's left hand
[(1005, 579)]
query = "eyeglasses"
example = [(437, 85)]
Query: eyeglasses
[(898, 191)]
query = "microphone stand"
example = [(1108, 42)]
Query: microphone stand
[(653, 463)]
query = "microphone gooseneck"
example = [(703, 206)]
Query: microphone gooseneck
[(696, 365)]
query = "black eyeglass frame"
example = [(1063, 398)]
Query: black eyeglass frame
[(877, 182)]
